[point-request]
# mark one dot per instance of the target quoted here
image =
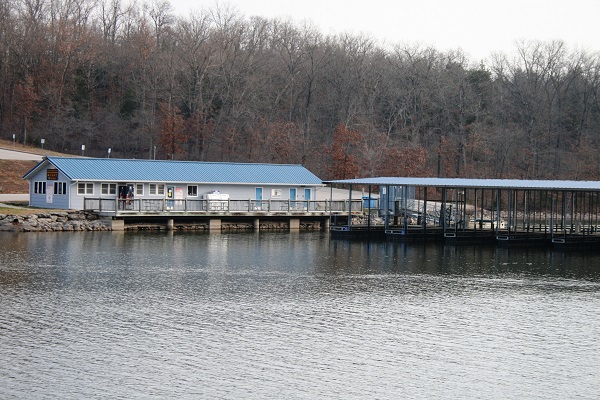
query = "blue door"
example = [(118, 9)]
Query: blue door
[(292, 197), (307, 198), (259, 197)]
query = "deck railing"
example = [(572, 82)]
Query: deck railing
[(199, 206)]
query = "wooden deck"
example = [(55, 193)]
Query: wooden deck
[(162, 208)]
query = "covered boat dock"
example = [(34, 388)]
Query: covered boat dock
[(507, 212)]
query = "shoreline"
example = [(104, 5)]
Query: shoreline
[(53, 221), (79, 221)]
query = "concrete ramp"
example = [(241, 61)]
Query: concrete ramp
[(14, 197), (6, 154)]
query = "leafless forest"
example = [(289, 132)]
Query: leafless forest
[(219, 86)]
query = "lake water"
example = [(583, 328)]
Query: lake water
[(292, 316)]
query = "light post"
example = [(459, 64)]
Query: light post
[(109, 152), (82, 149), (14, 138), (42, 141)]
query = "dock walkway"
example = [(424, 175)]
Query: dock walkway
[(561, 214), (213, 213)]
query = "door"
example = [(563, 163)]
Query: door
[(122, 196), (292, 198), (170, 197), (307, 199), (259, 197), (126, 194)]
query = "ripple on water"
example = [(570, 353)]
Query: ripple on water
[(262, 317)]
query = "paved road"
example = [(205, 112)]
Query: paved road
[(6, 154), (14, 197)]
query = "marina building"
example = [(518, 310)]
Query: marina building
[(127, 189)]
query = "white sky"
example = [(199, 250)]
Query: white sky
[(478, 27)]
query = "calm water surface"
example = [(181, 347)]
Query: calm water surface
[(292, 316)]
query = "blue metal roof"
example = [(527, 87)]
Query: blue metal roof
[(474, 183), (122, 170)]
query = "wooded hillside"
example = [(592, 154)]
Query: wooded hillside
[(218, 86)]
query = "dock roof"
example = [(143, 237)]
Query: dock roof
[(474, 183), (127, 170)]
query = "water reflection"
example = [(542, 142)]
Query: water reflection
[(280, 315), (465, 260), (56, 257)]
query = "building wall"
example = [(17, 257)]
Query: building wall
[(72, 198), (49, 197), (235, 192)]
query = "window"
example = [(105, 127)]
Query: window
[(157, 189), (85, 188), (192, 191), (139, 189), (60, 187), (39, 187), (109, 188)]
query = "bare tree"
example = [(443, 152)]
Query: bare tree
[(160, 13)]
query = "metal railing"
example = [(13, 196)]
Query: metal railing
[(193, 206)]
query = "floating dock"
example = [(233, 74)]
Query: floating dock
[(560, 214)]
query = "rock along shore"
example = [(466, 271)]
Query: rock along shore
[(73, 221), (54, 221)]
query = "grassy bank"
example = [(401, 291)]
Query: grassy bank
[(12, 171), (11, 178), (14, 208)]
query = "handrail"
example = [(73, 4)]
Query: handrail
[(191, 206)]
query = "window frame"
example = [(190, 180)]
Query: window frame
[(139, 189), (39, 187), (194, 190), (60, 188), (86, 187), (111, 189), (159, 189)]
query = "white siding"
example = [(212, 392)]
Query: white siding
[(74, 200)]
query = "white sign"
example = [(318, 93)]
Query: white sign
[(49, 198), (178, 193)]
